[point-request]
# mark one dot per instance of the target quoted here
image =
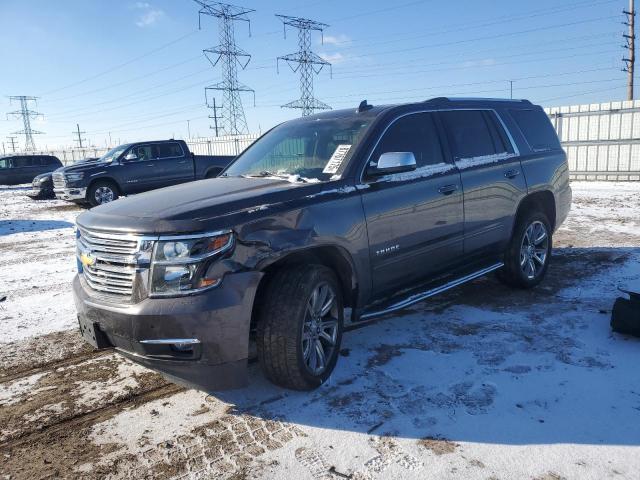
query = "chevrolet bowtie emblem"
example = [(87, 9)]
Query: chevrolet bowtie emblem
[(86, 259)]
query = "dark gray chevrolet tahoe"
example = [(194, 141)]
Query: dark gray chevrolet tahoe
[(364, 210)]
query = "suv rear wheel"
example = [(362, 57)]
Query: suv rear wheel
[(102, 192), (529, 252), (300, 327)]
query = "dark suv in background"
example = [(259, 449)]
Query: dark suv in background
[(373, 208), (17, 169)]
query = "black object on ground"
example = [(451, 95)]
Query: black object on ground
[(625, 317)]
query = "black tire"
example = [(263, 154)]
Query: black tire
[(98, 193), (284, 316), (523, 251), (213, 173)]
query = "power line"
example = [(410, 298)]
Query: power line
[(26, 114), (233, 118), (304, 61), (124, 64)]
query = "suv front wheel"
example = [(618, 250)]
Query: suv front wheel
[(527, 258), (300, 327)]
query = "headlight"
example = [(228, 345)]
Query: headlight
[(74, 176), (179, 267)]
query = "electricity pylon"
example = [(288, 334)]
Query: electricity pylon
[(306, 62), (26, 116)]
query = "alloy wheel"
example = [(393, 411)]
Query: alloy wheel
[(320, 329), (534, 249), (103, 195)]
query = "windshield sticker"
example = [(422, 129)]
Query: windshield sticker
[(336, 159)]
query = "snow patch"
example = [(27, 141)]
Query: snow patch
[(341, 191), (426, 171), (464, 163)]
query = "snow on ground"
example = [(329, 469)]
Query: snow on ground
[(37, 245), (480, 382)]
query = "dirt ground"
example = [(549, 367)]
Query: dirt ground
[(481, 382)]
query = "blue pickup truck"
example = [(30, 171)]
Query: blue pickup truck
[(134, 168)]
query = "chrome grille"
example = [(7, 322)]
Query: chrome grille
[(58, 180), (114, 261)]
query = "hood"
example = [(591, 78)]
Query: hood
[(83, 165), (42, 175), (194, 206)]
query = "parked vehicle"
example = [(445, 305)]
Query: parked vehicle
[(17, 169), (372, 209), (42, 185), (134, 168)]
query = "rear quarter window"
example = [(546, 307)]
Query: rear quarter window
[(537, 129), (169, 150)]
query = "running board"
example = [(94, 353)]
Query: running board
[(430, 293)]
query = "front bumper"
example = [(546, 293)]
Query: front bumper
[(70, 193), (218, 319)]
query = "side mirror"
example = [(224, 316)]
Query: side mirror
[(394, 162), (130, 157)]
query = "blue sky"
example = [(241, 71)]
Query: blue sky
[(136, 69)]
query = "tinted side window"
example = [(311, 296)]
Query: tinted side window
[(146, 152), (537, 129), (4, 163), (50, 161), (23, 162), (468, 133), (415, 133), (500, 139), (166, 150)]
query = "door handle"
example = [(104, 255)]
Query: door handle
[(448, 189), (149, 164), (511, 173), (181, 162)]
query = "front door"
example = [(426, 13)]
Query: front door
[(491, 176), (414, 219), (142, 173)]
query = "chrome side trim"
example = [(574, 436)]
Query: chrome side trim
[(171, 341), (430, 293)]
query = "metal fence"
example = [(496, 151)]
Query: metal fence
[(229, 145), (602, 140)]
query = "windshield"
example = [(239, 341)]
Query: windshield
[(113, 154), (312, 150)]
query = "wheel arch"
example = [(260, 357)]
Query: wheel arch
[(334, 257), (104, 179), (542, 200)]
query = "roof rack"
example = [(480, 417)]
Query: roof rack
[(467, 99)]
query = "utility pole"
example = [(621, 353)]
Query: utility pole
[(26, 116), (188, 129), (511, 88), (231, 57), (12, 141), (630, 38), (215, 116), (306, 62), (79, 134)]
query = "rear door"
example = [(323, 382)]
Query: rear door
[(174, 164), (414, 219), (492, 178), (141, 174), (25, 168)]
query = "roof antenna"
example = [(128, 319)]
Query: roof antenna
[(364, 106)]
